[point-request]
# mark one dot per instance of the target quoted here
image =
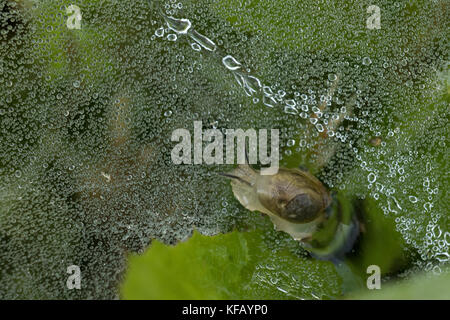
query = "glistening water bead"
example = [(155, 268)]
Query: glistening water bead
[(372, 177)]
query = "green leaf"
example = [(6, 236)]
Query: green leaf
[(238, 265)]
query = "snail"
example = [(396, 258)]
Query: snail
[(294, 199), (300, 205)]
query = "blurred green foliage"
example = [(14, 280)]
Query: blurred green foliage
[(419, 287)]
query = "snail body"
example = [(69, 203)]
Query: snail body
[(294, 199)]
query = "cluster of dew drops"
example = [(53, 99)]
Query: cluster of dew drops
[(86, 117)]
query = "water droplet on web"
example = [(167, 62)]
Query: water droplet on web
[(180, 26), (269, 101), (203, 41), (159, 32), (331, 77), (319, 127), (196, 47), (366, 61), (172, 37), (371, 177), (231, 63), (290, 109)]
